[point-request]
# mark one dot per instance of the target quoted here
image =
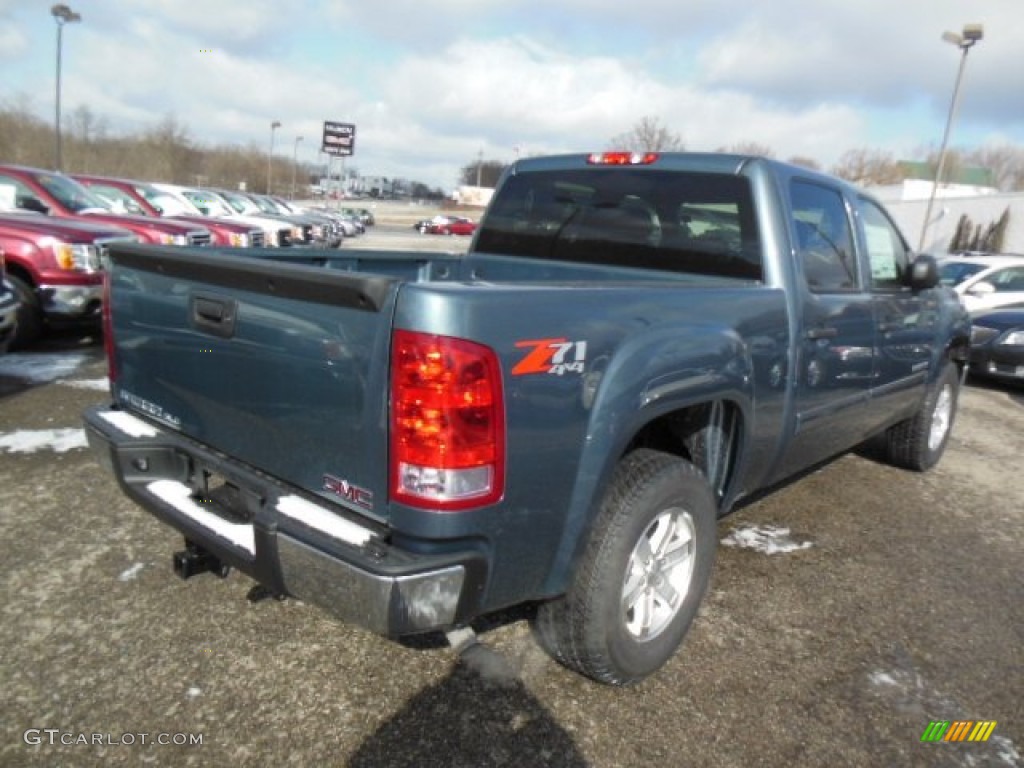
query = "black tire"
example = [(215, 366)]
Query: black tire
[(30, 314), (919, 442), (595, 629)]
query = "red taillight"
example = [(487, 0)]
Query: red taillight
[(108, 330), (622, 158), (447, 422)]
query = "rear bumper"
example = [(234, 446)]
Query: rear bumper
[(288, 541)]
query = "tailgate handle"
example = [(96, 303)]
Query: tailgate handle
[(214, 315)]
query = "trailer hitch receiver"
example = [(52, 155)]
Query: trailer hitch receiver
[(193, 560)]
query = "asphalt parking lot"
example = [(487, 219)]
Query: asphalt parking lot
[(847, 611)]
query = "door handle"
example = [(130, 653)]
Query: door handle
[(822, 332), (214, 315)]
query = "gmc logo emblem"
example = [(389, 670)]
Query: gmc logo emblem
[(353, 493)]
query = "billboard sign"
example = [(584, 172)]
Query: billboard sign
[(339, 138)]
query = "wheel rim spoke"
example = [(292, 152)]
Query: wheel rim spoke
[(669, 595), (677, 556)]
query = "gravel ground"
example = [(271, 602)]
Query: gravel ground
[(847, 610)]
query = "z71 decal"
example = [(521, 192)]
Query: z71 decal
[(557, 356)]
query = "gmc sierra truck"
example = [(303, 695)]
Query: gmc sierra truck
[(634, 344)]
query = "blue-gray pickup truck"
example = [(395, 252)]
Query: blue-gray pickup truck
[(634, 344)]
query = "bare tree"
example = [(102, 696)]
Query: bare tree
[(805, 162), (749, 148), (868, 166), (648, 135), (483, 173), (1005, 162)]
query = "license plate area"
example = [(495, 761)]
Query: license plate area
[(229, 500)]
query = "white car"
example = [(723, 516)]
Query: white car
[(984, 281)]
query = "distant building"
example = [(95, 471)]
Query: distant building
[(965, 191)]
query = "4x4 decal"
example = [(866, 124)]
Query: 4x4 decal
[(557, 356)]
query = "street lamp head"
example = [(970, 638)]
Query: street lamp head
[(973, 32), (275, 124), (64, 15)]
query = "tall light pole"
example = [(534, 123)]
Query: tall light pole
[(270, 156), (295, 161), (965, 41), (62, 15)]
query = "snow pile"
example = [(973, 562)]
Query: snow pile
[(32, 440), (129, 574), (100, 385), (40, 369), (768, 539)]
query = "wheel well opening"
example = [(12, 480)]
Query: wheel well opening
[(707, 435)]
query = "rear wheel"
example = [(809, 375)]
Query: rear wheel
[(30, 313), (919, 442), (642, 576)]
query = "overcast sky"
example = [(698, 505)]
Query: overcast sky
[(432, 83)]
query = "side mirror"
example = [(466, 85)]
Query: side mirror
[(924, 273), (30, 203), (982, 288)]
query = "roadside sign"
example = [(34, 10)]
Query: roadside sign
[(339, 138)]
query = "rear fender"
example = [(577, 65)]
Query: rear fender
[(659, 375)]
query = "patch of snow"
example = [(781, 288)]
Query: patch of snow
[(128, 424), (40, 369), (769, 539), (129, 574), (100, 385), (32, 440), (178, 495)]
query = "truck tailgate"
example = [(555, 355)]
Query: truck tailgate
[(280, 365)]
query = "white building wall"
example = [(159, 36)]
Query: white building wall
[(946, 213)]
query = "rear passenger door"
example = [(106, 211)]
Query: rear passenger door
[(906, 322)]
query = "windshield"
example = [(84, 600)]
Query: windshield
[(70, 194), (207, 203), (665, 220), (239, 203), (265, 205), (955, 272), (117, 200), (165, 204)]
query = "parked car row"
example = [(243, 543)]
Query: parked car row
[(55, 228)]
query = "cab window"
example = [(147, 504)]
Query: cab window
[(888, 253), (823, 238)]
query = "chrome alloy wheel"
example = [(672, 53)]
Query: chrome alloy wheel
[(658, 574), (942, 418)]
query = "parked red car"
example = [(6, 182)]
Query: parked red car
[(146, 200), (55, 267), (450, 225)]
